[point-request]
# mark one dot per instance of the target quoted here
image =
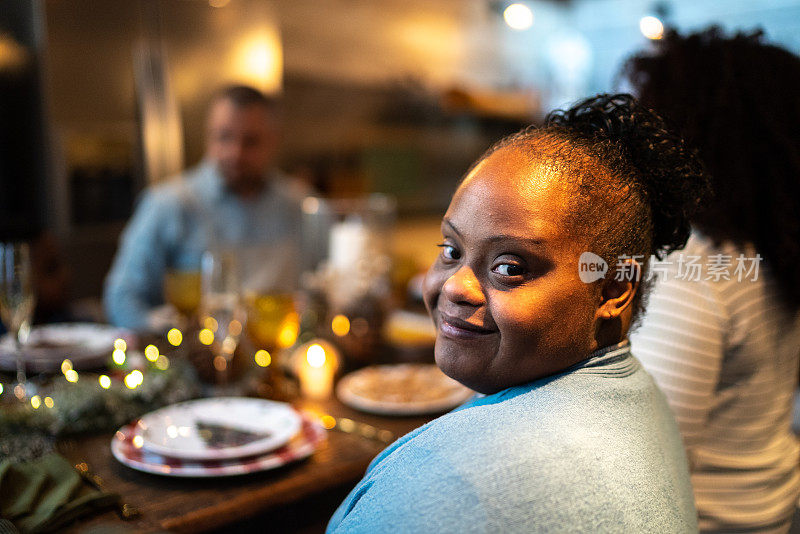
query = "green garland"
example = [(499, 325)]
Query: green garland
[(84, 407)]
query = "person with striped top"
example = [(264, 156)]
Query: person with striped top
[(723, 340)]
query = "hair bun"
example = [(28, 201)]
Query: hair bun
[(604, 115), (669, 174)]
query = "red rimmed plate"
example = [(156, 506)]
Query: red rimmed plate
[(130, 452)]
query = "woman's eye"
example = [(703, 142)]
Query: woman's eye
[(449, 252), (509, 269)]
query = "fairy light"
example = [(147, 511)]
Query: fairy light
[(328, 421), (288, 334), (151, 353), (206, 336), (340, 325), (105, 381), (66, 365), (235, 328), (119, 344), (134, 379), (48, 401), (36, 402), (71, 376), (162, 363), (263, 358), (175, 337), (210, 323), (118, 356)]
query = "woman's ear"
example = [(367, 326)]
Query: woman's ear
[(618, 291)]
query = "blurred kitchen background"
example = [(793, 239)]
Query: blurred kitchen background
[(99, 98)]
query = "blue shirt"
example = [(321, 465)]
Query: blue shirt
[(177, 221), (592, 449)]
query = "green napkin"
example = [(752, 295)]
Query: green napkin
[(43, 494)]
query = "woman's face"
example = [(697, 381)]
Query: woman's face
[(504, 292)]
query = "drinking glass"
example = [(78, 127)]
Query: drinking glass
[(182, 290), (16, 304), (222, 311)]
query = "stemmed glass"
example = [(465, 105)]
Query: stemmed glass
[(16, 303), (222, 311)]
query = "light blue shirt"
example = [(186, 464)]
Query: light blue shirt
[(593, 449), (177, 221)]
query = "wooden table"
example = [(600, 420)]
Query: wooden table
[(312, 487)]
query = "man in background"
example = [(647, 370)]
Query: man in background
[(234, 198)]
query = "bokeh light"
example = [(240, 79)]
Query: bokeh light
[(315, 355), (340, 325), (651, 27), (518, 16), (263, 358), (328, 421), (118, 356), (175, 337), (206, 336), (105, 381), (151, 353), (119, 344), (71, 376), (162, 363)]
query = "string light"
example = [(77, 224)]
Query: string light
[(175, 337), (119, 344), (36, 402), (206, 336), (105, 381), (162, 363), (71, 376), (328, 421), (118, 356), (340, 325), (151, 353), (48, 401), (66, 365), (263, 358)]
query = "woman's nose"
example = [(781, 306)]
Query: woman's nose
[(463, 287)]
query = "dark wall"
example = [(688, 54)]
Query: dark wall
[(23, 149)]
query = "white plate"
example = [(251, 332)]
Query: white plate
[(87, 345), (128, 451), (403, 389), (251, 426)]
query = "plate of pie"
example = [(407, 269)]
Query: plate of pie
[(218, 428), (402, 389)]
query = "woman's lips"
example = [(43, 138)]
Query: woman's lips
[(455, 328)]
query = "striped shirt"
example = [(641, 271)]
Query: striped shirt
[(726, 355)]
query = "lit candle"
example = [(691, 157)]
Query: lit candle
[(316, 364)]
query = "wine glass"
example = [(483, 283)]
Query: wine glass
[(223, 315), (16, 303)]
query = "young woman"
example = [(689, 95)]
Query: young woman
[(724, 344), (572, 434)]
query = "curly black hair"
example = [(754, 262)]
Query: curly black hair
[(736, 100), (636, 185)]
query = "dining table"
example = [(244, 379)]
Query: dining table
[(297, 497)]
